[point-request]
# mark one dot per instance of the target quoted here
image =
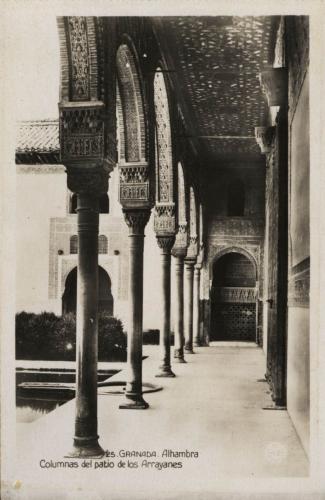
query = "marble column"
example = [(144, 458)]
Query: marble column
[(136, 221), (196, 305), (188, 306), (179, 310), (165, 244), (86, 437)]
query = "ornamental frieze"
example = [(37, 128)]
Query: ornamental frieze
[(79, 53), (298, 290), (233, 294), (165, 219), (238, 226), (134, 174), (134, 185), (81, 133)]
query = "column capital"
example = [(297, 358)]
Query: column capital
[(136, 220), (181, 241), (165, 243), (264, 137), (274, 84), (93, 181), (192, 250)]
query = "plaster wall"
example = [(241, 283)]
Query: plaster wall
[(298, 365), (298, 356), (298, 397), (44, 226), (39, 196)]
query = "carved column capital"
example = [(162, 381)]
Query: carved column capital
[(181, 241), (264, 137), (166, 243), (192, 250), (274, 84), (88, 181), (136, 220)]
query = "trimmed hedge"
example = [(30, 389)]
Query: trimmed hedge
[(151, 337), (46, 336)]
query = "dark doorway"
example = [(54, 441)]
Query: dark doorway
[(233, 299), (105, 298)]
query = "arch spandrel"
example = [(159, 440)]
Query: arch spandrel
[(181, 242), (165, 209), (193, 249), (133, 138)]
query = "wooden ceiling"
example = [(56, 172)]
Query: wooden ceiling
[(213, 63)]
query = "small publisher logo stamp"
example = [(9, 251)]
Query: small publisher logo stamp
[(275, 452)]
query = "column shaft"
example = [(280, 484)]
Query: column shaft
[(188, 306), (179, 310), (86, 438), (133, 391), (196, 306), (165, 368)]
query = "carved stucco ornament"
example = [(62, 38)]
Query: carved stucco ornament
[(83, 147), (82, 133), (264, 137), (181, 241), (274, 84), (165, 219), (134, 189)]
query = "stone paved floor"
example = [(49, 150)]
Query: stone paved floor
[(214, 407)]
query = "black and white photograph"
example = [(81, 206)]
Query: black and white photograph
[(162, 250)]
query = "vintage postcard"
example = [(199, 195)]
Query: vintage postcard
[(162, 250)]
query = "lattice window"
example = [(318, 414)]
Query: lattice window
[(102, 244), (164, 159), (234, 322), (74, 244)]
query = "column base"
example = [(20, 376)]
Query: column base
[(134, 402), (179, 360), (189, 349), (197, 343), (86, 448), (179, 356), (165, 371)]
